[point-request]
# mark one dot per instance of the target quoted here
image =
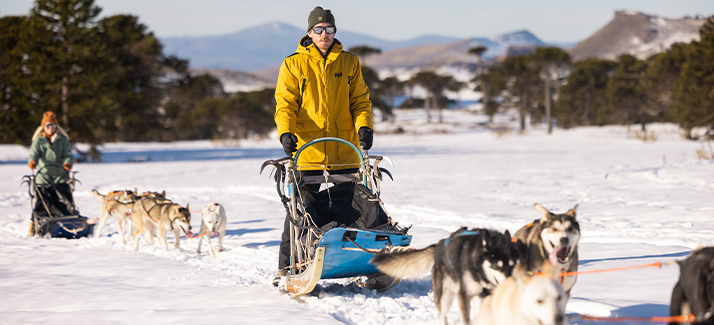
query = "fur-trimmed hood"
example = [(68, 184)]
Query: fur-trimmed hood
[(41, 132)]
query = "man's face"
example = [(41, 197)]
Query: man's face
[(322, 41)]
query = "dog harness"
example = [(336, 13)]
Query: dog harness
[(446, 244)]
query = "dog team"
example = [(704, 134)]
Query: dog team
[(498, 270), (151, 214), (517, 279)]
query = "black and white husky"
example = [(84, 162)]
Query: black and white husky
[(553, 237), (468, 264)]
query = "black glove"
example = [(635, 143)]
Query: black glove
[(289, 142), (365, 137)]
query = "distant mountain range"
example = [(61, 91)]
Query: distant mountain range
[(265, 46), (260, 50), (435, 55)]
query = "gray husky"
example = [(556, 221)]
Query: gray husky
[(553, 237), (468, 264)]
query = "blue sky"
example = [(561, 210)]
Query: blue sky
[(552, 20)]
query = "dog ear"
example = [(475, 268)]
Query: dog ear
[(136, 192), (508, 235), (163, 193), (571, 212), (544, 211), (187, 207)]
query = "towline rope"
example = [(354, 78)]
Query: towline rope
[(690, 318), (657, 264), (196, 236)]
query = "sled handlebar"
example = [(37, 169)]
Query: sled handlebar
[(338, 140)]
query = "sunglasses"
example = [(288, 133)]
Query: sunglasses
[(50, 125), (329, 29)]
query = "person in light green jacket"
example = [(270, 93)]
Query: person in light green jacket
[(50, 152)]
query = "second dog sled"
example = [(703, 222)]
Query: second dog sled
[(54, 213), (327, 240)]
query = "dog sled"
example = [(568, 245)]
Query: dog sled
[(336, 230), (54, 213)]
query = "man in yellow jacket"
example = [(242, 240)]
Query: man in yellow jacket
[(321, 93)]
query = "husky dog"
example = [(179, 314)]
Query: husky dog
[(116, 203), (468, 264), (525, 300), (554, 237), (214, 222), (164, 215), (694, 291)]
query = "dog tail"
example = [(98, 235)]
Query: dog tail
[(410, 263), (98, 196)]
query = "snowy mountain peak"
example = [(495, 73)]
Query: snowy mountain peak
[(637, 34), (522, 37)]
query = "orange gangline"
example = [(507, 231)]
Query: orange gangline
[(657, 319), (657, 264)]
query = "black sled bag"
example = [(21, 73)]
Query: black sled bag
[(55, 213)]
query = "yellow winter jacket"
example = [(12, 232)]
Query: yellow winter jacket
[(323, 97)]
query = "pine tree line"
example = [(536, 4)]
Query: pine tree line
[(108, 80), (673, 86)]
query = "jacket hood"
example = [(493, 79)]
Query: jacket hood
[(306, 46)]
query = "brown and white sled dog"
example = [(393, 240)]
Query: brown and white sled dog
[(214, 223), (117, 204), (553, 238), (525, 299), (468, 265), (164, 216)]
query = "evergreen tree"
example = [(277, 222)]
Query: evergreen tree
[(663, 70), (363, 51), (17, 116), (184, 101), (693, 91), (521, 87), (492, 84), (140, 82), (550, 63), (625, 99), (581, 98), (390, 88), (241, 116), (62, 55), (435, 84), (481, 84)]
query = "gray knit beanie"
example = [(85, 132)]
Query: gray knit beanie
[(319, 15)]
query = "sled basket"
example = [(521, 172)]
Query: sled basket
[(54, 212), (337, 220)]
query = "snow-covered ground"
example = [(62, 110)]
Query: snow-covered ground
[(639, 202)]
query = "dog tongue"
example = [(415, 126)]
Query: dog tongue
[(553, 257), (213, 233), (558, 253), (188, 233)]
